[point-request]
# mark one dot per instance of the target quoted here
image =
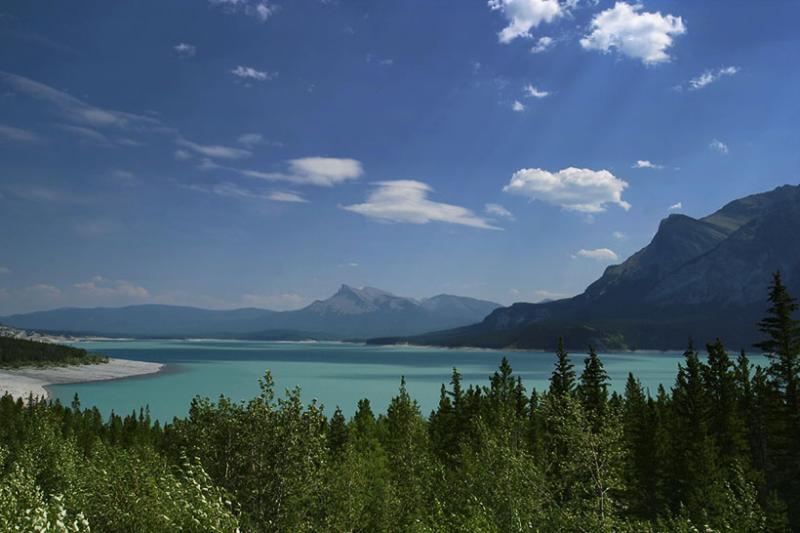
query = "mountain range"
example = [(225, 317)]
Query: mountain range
[(355, 313), (700, 278)]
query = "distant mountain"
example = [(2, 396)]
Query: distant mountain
[(350, 313), (701, 278)]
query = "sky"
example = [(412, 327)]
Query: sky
[(260, 153)]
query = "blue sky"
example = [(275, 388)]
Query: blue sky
[(249, 153)]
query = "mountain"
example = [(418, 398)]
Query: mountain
[(350, 313), (702, 278)]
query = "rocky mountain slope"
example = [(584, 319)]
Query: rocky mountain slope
[(701, 278)]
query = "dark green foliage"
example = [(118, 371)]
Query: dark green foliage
[(20, 352), (714, 453)]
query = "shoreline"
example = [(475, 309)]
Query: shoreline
[(24, 382)]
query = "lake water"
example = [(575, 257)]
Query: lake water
[(333, 373)]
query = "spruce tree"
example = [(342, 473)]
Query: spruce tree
[(593, 389), (337, 432), (562, 381), (783, 343)]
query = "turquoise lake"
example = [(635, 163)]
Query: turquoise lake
[(333, 373)]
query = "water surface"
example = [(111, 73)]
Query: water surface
[(336, 374)]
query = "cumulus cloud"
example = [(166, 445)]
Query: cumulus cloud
[(524, 15), (185, 50), (719, 146), (575, 189), (100, 286), (73, 108), (498, 210), (210, 150), (599, 254), (9, 133), (543, 44), (518, 106), (533, 92), (406, 201), (676, 207), (710, 76), (319, 171), (250, 73), (644, 163), (631, 32)]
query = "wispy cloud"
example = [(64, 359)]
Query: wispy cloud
[(576, 189), (277, 302), (719, 146), (644, 163), (249, 73), (17, 135), (212, 150), (185, 50), (518, 106), (406, 201), (676, 207), (86, 134), (543, 44), (319, 171), (634, 33), (259, 9), (533, 92), (497, 210), (710, 76), (599, 254), (103, 287), (74, 109), (232, 190), (619, 235)]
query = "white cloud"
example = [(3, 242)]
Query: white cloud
[(523, 15), (9, 133), (74, 108), (43, 289), (518, 106), (250, 139), (533, 92), (100, 286), (719, 146), (710, 76), (276, 302), (211, 150), (283, 196), (87, 134), (4, 270), (252, 74), (259, 9), (676, 207), (599, 254), (644, 163), (185, 50), (320, 171), (619, 235), (182, 155), (576, 189), (498, 210), (406, 201), (544, 294), (542, 45), (640, 35)]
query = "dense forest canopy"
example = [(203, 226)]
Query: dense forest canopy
[(21, 352), (718, 451)]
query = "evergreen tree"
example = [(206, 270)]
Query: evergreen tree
[(593, 388), (562, 381), (337, 432), (783, 343), (726, 421)]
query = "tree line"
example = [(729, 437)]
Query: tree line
[(717, 451), (22, 352)]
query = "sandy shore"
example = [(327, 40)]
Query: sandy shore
[(23, 382)]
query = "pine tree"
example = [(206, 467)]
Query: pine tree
[(562, 381), (783, 343), (593, 389), (337, 432), (726, 421)]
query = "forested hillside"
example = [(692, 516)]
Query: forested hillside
[(718, 451), (20, 352)]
